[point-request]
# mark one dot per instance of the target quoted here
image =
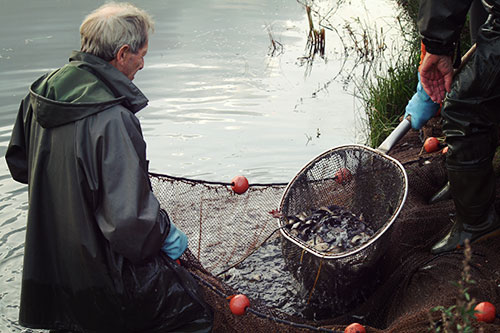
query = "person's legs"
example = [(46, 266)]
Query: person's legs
[(477, 17), (473, 192), (471, 116)]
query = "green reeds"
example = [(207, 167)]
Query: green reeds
[(385, 97), (392, 81)]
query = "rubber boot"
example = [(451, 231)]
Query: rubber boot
[(459, 232), (473, 193), (443, 194)]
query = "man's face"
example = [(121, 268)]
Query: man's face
[(128, 62), (134, 62)]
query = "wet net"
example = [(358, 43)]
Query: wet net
[(359, 192), (236, 246)]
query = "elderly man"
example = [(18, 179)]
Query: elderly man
[(100, 252)]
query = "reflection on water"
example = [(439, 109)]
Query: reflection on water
[(220, 103)]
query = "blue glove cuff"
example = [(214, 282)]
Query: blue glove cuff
[(176, 243), (420, 108)]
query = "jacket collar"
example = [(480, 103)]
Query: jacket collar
[(113, 78)]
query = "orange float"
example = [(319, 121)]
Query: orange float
[(238, 304), (239, 184)]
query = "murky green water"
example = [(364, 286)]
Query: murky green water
[(220, 103)]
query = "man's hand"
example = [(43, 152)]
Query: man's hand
[(436, 74)]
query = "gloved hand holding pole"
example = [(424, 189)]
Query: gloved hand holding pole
[(434, 78), (421, 108)]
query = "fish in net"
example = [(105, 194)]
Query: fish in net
[(227, 231)]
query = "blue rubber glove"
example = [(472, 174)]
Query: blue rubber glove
[(421, 108), (176, 243)]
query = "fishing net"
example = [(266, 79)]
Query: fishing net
[(367, 185), (235, 246)]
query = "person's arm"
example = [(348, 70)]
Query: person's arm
[(16, 155), (440, 23), (128, 213)]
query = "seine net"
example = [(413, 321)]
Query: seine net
[(222, 227), (400, 287)]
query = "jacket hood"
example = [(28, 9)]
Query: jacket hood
[(85, 86)]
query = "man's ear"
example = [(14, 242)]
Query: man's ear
[(122, 53)]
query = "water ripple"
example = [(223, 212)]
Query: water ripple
[(181, 66), (6, 237)]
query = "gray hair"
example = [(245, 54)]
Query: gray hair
[(109, 27)]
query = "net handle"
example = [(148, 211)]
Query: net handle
[(395, 135)]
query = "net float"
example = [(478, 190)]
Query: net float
[(238, 304), (355, 328), (485, 311), (343, 176), (239, 184)]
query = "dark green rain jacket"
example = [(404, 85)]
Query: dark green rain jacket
[(92, 258), (441, 21)]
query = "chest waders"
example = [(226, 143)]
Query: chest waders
[(470, 122)]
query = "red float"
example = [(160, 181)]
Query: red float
[(238, 304), (355, 328), (343, 176), (239, 184), (485, 312), (431, 144)]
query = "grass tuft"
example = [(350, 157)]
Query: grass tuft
[(385, 97)]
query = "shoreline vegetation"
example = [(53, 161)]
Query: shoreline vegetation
[(386, 94), (389, 76)]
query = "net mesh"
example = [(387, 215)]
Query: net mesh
[(397, 290), (365, 183)]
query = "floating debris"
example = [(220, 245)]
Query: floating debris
[(276, 48), (329, 229)]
